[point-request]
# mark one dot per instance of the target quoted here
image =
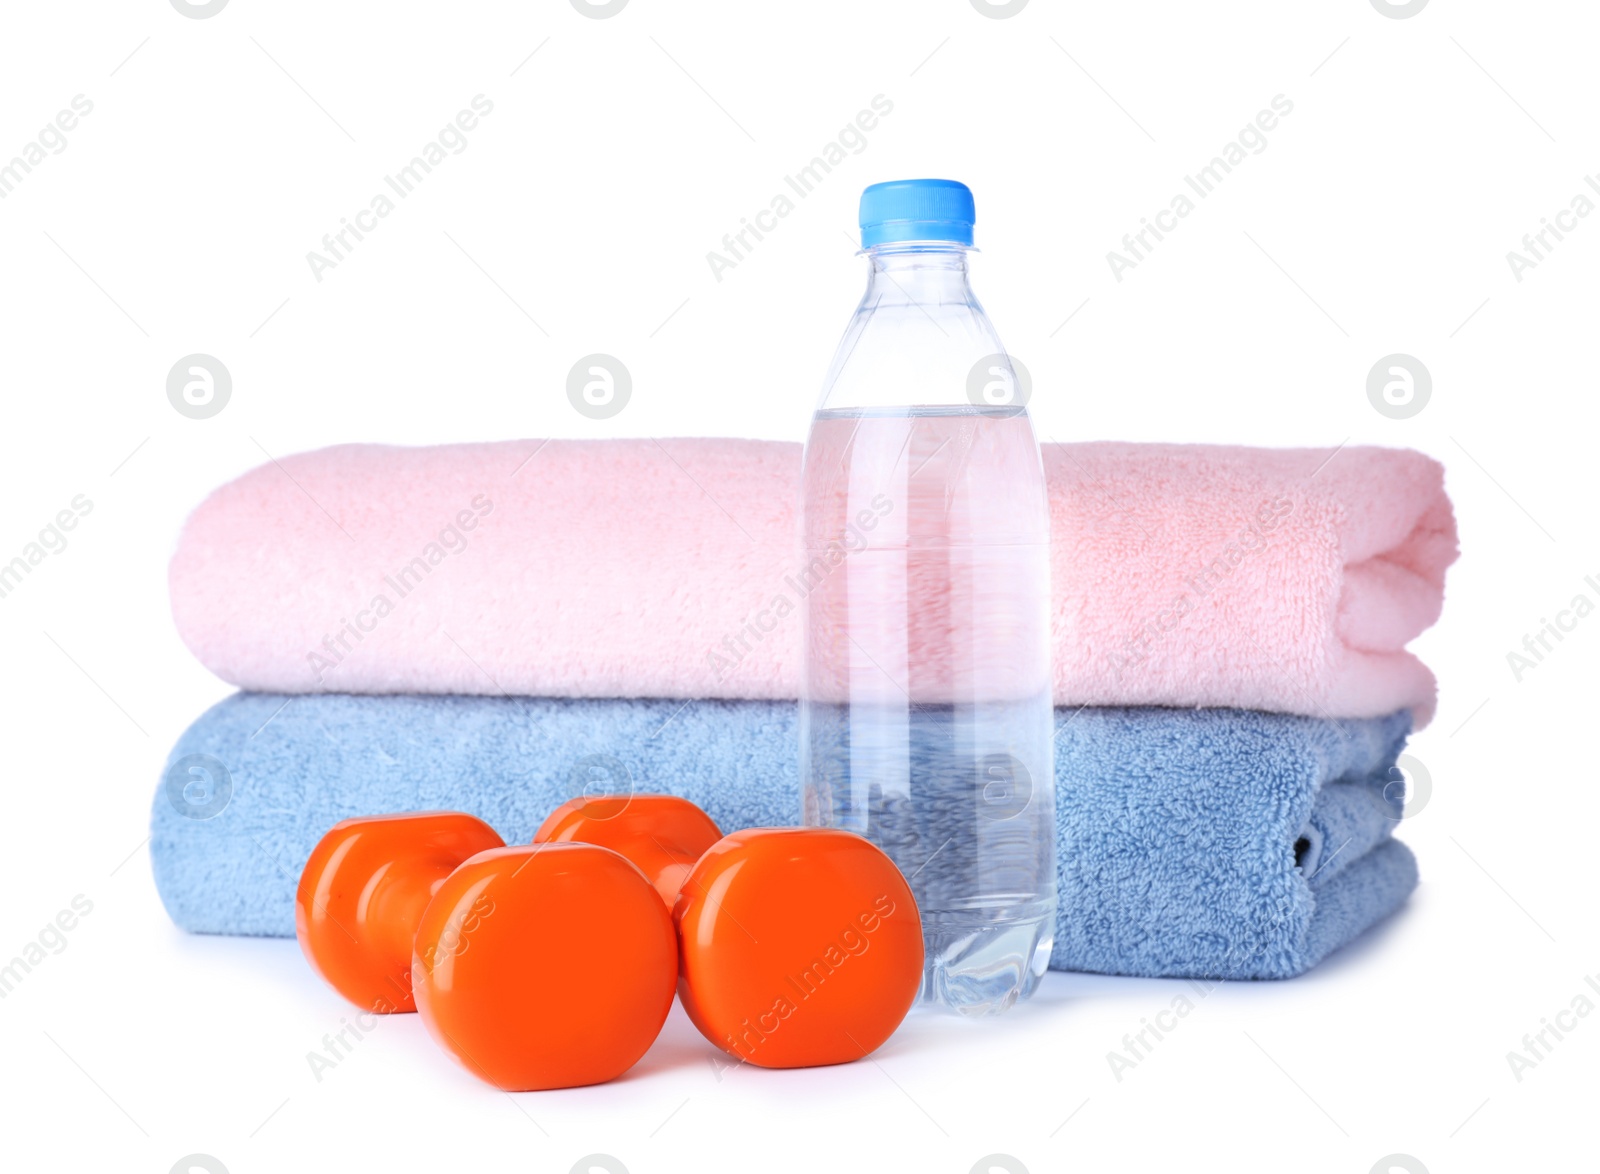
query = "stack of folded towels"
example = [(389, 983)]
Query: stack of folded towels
[(495, 628)]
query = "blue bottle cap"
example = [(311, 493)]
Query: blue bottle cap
[(917, 210)]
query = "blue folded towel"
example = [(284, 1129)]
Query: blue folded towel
[(1206, 843)]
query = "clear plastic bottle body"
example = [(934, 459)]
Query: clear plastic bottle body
[(926, 714)]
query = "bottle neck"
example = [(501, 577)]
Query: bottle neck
[(919, 273), (915, 336)]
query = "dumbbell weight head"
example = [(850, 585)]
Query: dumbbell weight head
[(363, 891), (797, 946), (662, 835), (544, 966)]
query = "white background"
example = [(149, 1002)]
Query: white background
[(1377, 220)]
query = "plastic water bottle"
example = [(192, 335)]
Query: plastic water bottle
[(925, 714)]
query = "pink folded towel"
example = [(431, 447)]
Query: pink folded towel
[(1273, 579)]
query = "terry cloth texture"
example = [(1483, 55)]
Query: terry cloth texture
[(1288, 580), (1184, 839)]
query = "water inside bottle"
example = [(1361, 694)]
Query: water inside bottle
[(926, 718)]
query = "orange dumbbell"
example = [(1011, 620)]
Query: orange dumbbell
[(363, 892), (554, 964), (809, 953), (545, 966), (661, 834)]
